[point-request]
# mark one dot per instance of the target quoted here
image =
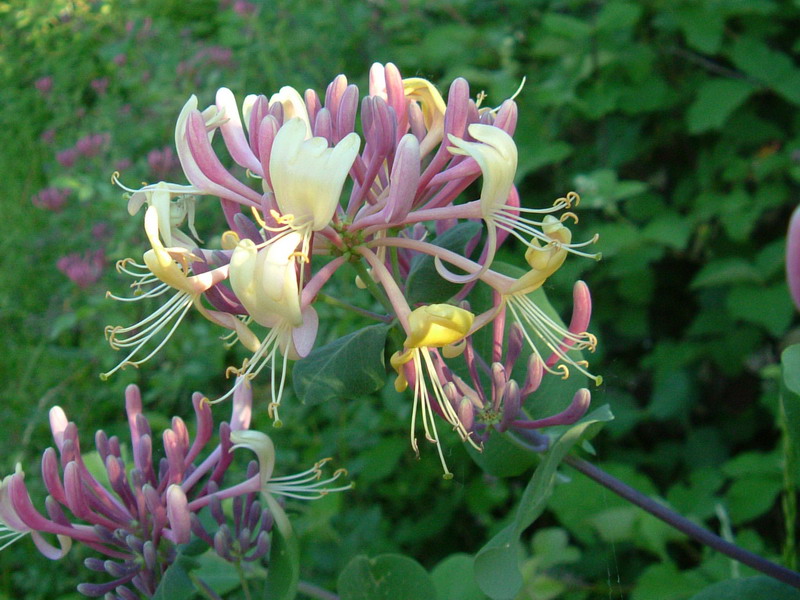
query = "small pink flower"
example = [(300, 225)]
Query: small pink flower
[(122, 164), (162, 162), (66, 158), (120, 60), (48, 136), (82, 269), (44, 85), (244, 8), (100, 85), (51, 198), (91, 145)]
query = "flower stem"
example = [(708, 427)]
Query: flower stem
[(683, 524), (360, 311), (313, 591)]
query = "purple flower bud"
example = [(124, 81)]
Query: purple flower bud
[(323, 126), (223, 541), (512, 403), (466, 414), (793, 257), (178, 515)]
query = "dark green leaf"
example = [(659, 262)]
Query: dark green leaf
[(716, 100), (496, 565), (749, 588), (385, 577), (790, 361), (284, 565), (725, 271), (424, 282), (454, 579), (351, 366), (176, 583)]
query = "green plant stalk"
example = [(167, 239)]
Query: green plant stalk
[(789, 499), (313, 591), (372, 287), (683, 524), (356, 309)]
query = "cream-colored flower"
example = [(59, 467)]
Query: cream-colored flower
[(308, 176)]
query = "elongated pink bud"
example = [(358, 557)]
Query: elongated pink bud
[(233, 132), (793, 257), (178, 516)]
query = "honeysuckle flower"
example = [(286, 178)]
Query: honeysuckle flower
[(290, 230), (431, 326), (307, 176), (170, 266), (496, 155), (266, 283)]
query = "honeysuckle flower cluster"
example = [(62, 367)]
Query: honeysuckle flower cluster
[(316, 195), (138, 520)]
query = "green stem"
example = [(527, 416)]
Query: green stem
[(682, 524), (789, 499), (243, 579), (372, 287), (313, 591), (356, 309)]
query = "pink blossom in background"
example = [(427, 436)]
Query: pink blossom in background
[(48, 136), (44, 85), (83, 269), (101, 231), (162, 162), (100, 85), (120, 60), (91, 145), (122, 164), (66, 158), (244, 8), (51, 198), (125, 110)]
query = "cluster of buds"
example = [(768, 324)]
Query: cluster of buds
[(152, 508), (318, 195)]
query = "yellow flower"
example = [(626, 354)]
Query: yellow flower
[(431, 326), (546, 259), (170, 266)]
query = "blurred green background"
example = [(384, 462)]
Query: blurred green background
[(676, 121)]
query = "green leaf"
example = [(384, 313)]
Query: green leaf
[(716, 100), (774, 68), (790, 361), (502, 457), (749, 588), (350, 366), (566, 26), (385, 577), (176, 583), (769, 307), (424, 283), (455, 580), (496, 565), (724, 271), (618, 15), (284, 557)]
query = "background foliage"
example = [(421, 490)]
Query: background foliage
[(677, 123)]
